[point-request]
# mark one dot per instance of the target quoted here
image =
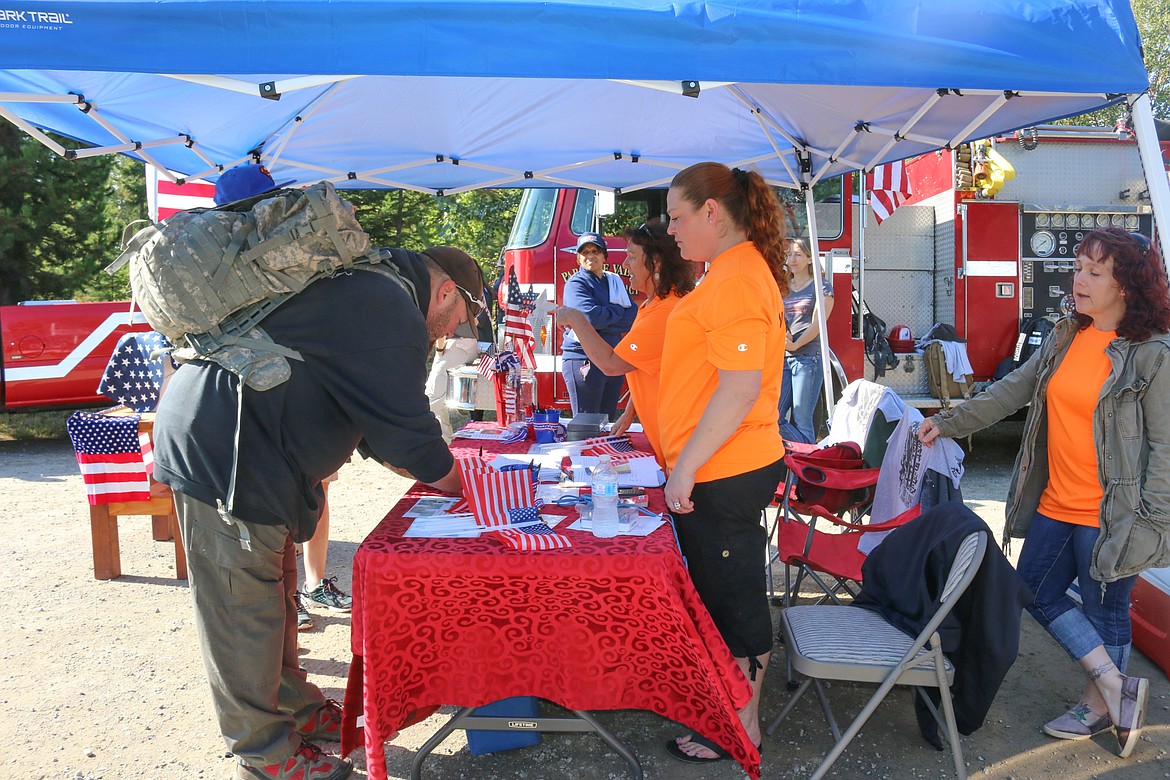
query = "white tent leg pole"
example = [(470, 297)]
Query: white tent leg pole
[(1156, 180), (818, 291)]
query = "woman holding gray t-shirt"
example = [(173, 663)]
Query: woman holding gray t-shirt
[(802, 367)]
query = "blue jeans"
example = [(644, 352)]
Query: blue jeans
[(1055, 555), (798, 397), (590, 390)]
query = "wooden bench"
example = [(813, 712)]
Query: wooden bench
[(103, 521)]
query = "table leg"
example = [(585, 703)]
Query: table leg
[(465, 719), (160, 528), (611, 740), (435, 740), (103, 526)]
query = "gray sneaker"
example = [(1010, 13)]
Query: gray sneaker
[(304, 619), (1077, 723), (329, 596), (1135, 695)]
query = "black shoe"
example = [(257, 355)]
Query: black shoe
[(329, 596), (304, 619)]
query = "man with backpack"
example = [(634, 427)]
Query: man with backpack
[(246, 467)]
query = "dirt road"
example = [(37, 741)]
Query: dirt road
[(103, 679)]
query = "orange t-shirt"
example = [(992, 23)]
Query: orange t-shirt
[(734, 321), (642, 349), (1074, 493)]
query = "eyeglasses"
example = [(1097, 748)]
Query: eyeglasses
[(475, 306), (644, 229), (1143, 243)]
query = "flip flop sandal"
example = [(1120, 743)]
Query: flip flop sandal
[(672, 747)]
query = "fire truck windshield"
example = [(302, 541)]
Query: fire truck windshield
[(533, 219)]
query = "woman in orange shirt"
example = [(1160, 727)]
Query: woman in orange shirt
[(658, 271), (1091, 494), (722, 365)]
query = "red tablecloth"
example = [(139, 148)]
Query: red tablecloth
[(608, 624)]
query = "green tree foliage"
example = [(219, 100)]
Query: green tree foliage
[(54, 227), (1153, 21), (476, 222)]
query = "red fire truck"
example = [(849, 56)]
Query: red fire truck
[(985, 243), (55, 351)]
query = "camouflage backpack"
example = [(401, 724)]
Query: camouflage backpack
[(206, 277)]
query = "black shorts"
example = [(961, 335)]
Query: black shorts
[(726, 548)]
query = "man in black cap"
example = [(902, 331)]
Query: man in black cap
[(365, 339)]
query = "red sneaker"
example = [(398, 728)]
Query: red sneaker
[(308, 763), (325, 725)]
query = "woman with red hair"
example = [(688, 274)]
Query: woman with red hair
[(1091, 491)]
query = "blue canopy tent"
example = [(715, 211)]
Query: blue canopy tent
[(449, 95)]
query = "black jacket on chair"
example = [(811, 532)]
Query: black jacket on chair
[(903, 580)]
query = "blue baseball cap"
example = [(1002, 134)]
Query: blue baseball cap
[(244, 181), (592, 238)]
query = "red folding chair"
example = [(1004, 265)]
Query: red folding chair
[(831, 487)]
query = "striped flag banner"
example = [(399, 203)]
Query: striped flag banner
[(516, 324), (115, 459), (889, 187), (492, 493), (619, 448), (164, 198), (530, 534), (486, 365)]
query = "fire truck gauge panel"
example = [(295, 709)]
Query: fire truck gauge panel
[(1042, 220), (1043, 242), (1087, 220), (1058, 220), (1102, 220), (1131, 222), (1119, 220)]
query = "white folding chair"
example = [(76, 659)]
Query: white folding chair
[(856, 644)]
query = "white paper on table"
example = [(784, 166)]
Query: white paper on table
[(550, 467), (644, 525), (431, 505), (643, 472), (460, 526)]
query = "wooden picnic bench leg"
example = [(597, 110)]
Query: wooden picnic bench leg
[(160, 528), (107, 563)]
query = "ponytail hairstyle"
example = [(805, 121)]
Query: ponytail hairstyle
[(749, 202)]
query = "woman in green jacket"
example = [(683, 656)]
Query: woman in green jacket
[(1091, 490)]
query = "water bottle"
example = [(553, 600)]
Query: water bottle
[(605, 499)]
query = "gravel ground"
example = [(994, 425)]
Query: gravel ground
[(102, 679)]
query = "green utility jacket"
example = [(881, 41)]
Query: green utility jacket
[(1131, 432)]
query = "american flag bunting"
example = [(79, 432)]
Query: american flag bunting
[(532, 534), (115, 459), (492, 493), (889, 187), (131, 377), (516, 324)]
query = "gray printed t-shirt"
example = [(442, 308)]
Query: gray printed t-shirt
[(799, 308)]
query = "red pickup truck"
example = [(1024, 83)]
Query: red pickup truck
[(55, 352)]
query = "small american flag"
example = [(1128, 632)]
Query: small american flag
[(620, 449), (486, 365), (492, 493), (132, 378), (516, 324), (532, 534), (889, 187), (115, 459)]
